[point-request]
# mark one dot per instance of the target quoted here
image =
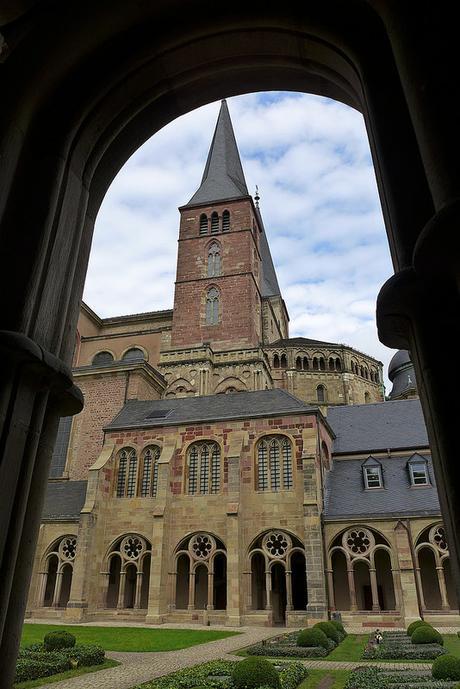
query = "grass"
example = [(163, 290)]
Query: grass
[(452, 644), (65, 675), (315, 677), (350, 649), (132, 639)]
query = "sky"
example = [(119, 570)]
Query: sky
[(310, 158)]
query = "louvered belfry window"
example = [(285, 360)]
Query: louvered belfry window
[(203, 224), (274, 464), (214, 223), (203, 468), (225, 221)]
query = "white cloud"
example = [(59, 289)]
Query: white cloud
[(310, 158)]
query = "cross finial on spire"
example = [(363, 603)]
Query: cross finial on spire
[(257, 197)]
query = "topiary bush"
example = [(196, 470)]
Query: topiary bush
[(85, 654), (426, 635), (284, 651), (329, 629), (54, 641), (33, 667), (253, 672), (339, 626), (413, 626), (313, 637), (446, 667)]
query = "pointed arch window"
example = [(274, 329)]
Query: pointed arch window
[(283, 361), (126, 473), (274, 464), (203, 468), (214, 223), (214, 260), (203, 224), (276, 361), (225, 221), (149, 477), (212, 306)]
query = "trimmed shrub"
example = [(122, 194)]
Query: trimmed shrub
[(339, 626), (54, 641), (292, 674), (39, 666), (426, 635), (329, 629), (285, 651), (313, 637), (252, 673), (85, 654), (413, 626), (446, 667)]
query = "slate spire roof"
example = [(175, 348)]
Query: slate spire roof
[(223, 176)]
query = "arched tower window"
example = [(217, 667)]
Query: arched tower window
[(274, 463), (225, 221), (305, 363), (214, 223), (298, 363), (315, 363), (203, 224), (102, 358), (212, 306), (203, 468), (214, 260), (283, 361), (149, 476), (133, 354), (331, 364), (338, 364), (126, 473), (322, 364), (276, 361), (321, 393)]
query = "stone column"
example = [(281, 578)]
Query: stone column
[(268, 589), (351, 587), (82, 580), (374, 589), (121, 591), (418, 578), (330, 588), (210, 605), (57, 589), (442, 587), (234, 543), (42, 588), (289, 590), (412, 603), (137, 597), (172, 590), (248, 589), (191, 591)]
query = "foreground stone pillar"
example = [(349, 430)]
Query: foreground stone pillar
[(410, 586), (351, 587), (374, 589)]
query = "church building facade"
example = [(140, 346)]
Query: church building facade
[(224, 472)]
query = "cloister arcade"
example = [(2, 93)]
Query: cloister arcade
[(277, 574), (361, 572), (127, 572), (200, 573), (56, 573), (434, 577)]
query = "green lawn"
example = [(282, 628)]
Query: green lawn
[(315, 677), (127, 638), (351, 648), (65, 675), (452, 644)]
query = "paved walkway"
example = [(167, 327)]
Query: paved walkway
[(137, 668)]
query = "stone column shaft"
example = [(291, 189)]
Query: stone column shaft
[(137, 597), (442, 587), (330, 587), (374, 590), (351, 588), (57, 589), (268, 590), (210, 605), (191, 591), (288, 590), (121, 591)]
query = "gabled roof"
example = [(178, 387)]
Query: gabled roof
[(223, 176), (364, 428), (237, 405)]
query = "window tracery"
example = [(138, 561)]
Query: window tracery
[(214, 267), (203, 468), (274, 463), (133, 480), (212, 306)]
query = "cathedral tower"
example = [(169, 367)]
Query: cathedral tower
[(218, 298)]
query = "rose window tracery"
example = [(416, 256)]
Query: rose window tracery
[(202, 546), (276, 544), (438, 538), (68, 548), (132, 547), (358, 541)]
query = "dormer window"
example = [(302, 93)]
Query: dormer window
[(418, 471), (373, 477)]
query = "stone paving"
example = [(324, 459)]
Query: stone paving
[(137, 668)]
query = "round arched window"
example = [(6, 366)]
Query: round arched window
[(133, 354), (102, 358)]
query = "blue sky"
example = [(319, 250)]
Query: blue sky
[(310, 158)]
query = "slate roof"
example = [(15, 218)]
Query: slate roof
[(64, 500), (346, 496), (397, 424), (223, 176), (237, 405), (269, 286), (302, 342)]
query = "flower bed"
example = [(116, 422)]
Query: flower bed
[(399, 646), (377, 678), (217, 675), (292, 645), (34, 661)]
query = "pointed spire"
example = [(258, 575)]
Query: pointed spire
[(223, 176)]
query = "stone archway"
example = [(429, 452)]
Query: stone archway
[(80, 95)]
